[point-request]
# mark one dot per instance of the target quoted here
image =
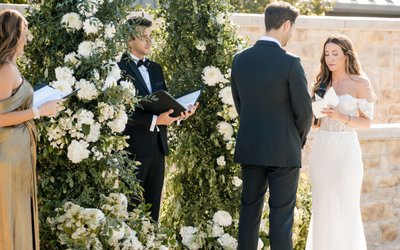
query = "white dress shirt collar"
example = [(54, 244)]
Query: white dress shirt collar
[(135, 58), (270, 39)]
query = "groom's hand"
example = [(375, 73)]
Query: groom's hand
[(187, 113)]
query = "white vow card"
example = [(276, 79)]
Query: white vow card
[(330, 100), (46, 94)]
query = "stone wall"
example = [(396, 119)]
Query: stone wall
[(377, 41)]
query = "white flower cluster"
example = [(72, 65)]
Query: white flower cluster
[(201, 45), (116, 205), (194, 239)]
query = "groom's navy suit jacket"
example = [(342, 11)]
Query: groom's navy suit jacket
[(142, 141), (269, 88)]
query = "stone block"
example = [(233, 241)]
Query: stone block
[(390, 232), (389, 181), (368, 183), (377, 211), (372, 162), (372, 148)]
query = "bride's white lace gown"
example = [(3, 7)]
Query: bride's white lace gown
[(336, 171)]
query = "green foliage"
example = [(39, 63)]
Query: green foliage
[(197, 186), (312, 7), (15, 1)]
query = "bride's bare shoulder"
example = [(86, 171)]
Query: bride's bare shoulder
[(363, 87)]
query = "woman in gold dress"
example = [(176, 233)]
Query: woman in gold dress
[(18, 207)]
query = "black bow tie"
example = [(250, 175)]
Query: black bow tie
[(145, 63)]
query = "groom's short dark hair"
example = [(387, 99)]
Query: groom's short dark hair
[(277, 13), (139, 21)]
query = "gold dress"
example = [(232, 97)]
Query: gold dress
[(19, 223)]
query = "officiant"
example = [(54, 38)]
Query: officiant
[(147, 132)]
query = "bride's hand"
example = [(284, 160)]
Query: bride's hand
[(333, 113)]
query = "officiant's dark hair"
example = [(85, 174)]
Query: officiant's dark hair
[(11, 25), (277, 13)]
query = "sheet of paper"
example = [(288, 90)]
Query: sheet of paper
[(189, 99), (330, 100), (47, 94)]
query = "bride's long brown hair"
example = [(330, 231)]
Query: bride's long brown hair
[(11, 25), (353, 66)]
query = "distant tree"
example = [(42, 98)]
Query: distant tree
[(307, 7)]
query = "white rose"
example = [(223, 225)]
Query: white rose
[(201, 45), (92, 25), (85, 49), (221, 161), (64, 73), (226, 96), (109, 31), (236, 181), (220, 18), (72, 58), (71, 21), (226, 130), (77, 151), (222, 218), (211, 75), (106, 111)]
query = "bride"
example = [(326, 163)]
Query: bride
[(336, 166)]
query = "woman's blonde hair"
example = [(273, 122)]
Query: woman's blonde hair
[(11, 25), (353, 66)]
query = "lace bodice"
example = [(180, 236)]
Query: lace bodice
[(348, 105)]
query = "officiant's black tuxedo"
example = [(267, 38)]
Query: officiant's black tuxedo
[(148, 147), (270, 94)]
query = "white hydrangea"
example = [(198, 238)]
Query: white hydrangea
[(228, 242), (222, 218), (86, 48), (226, 96), (71, 21), (211, 75), (128, 85), (94, 217), (109, 82), (118, 124), (201, 45), (236, 181), (87, 90), (109, 31), (85, 117), (232, 112), (131, 242), (188, 235), (114, 71), (92, 25), (106, 111), (217, 231), (221, 161), (77, 151), (226, 130), (117, 234), (94, 133)]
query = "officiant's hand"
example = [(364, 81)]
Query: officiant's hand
[(50, 108), (166, 119), (189, 112)]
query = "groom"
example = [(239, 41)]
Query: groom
[(270, 93)]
